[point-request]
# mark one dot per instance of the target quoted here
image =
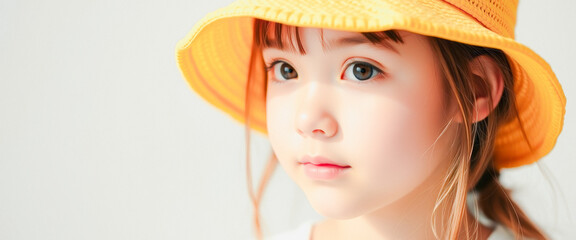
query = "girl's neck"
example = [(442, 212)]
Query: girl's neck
[(403, 226), (406, 218)]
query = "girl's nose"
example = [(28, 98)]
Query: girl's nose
[(313, 121)]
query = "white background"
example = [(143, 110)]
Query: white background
[(101, 137)]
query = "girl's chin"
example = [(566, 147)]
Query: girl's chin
[(335, 207), (337, 213)]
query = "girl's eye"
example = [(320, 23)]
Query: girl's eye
[(361, 71), (284, 71)]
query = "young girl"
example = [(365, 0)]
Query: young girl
[(394, 117)]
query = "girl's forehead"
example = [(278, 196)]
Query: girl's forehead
[(334, 33), (332, 39)]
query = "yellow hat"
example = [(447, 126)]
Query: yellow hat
[(214, 57)]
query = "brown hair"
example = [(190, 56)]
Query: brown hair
[(471, 168)]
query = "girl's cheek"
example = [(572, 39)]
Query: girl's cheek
[(389, 143), (281, 131), (387, 135)]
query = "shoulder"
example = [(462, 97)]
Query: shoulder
[(302, 232), (501, 233)]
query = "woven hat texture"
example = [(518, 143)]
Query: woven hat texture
[(215, 55)]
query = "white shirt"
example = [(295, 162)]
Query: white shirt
[(303, 231)]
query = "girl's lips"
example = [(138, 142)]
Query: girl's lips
[(324, 171), (327, 165), (321, 168), (321, 161)]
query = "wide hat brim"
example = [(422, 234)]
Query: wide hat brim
[(214, 58)]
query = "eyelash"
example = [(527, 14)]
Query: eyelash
[(271, 66), (379, 72)]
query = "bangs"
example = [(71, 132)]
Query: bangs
[(286, 37)]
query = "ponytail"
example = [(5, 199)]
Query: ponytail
[(495, 203)]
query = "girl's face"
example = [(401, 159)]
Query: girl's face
[(373, 108)]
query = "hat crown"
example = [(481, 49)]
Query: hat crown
[(497, 15)]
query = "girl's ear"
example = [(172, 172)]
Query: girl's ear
[(487, 83)]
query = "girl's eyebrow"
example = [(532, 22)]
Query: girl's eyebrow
[(340, 42), (356, 40)]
